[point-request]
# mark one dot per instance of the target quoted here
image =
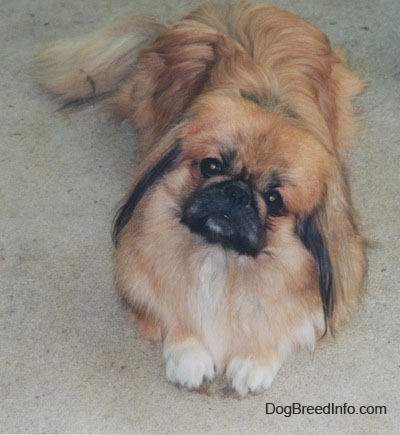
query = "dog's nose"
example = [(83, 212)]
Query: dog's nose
[(238, 192)]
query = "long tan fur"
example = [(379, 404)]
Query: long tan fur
[(268, 81), (88, 67)]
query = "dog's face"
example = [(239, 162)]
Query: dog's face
[(248, 172)]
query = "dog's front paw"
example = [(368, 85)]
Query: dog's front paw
[(249, 375), (188, 364)]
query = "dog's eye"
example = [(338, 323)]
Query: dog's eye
[(210, 167), (274, 202)]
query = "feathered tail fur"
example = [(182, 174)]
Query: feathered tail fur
[(81, 69)]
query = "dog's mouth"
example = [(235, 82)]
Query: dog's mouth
[(225, 213)]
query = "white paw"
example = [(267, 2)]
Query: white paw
[(188, 364), (248, 375)]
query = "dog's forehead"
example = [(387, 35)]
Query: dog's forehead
[(250, 138)]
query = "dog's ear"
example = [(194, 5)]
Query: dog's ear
[(146, 180), (331, 235), (336, 88), (310, 232)]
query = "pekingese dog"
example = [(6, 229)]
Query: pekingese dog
[(237, 243)]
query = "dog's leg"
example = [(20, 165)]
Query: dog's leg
[(188, 363), (252, 374), (148, 327)]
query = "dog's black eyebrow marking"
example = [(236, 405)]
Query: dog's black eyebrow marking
[(291, 113), (251, 97), (125, 212), (276, 180), (271, 102), (228, 157)]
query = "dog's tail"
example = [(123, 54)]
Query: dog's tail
[(83, 69)]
